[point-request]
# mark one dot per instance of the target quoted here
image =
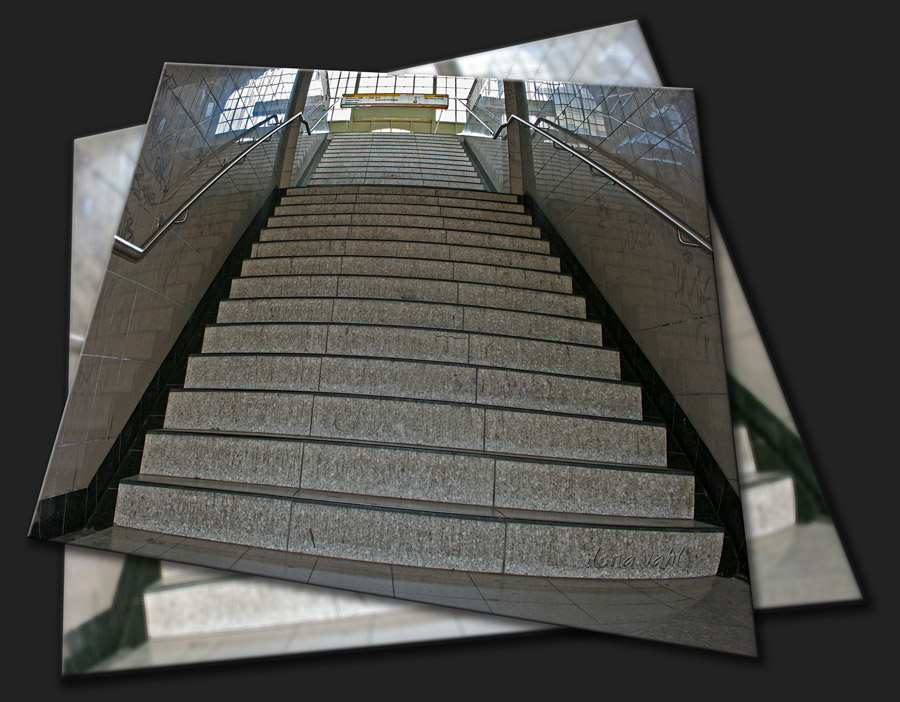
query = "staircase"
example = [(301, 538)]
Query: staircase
[(402, 375), (188, 601), (768, 498)]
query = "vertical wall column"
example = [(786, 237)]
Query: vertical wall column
[(521, 161), (285, 163)]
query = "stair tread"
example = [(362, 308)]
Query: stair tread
[(443, 509), (486, 453), (428, 401), (407, 360), (751, 480), (363, 258), (403, 190), (537, 325)]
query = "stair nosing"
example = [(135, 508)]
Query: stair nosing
[(610, 349), (310, 497), (408, 241), (403, 258), (428, 448), (421, 400), (436, 197), (403, 359), (463, 192), (404, 277), (577, 296), (422, 302), (398, 225)]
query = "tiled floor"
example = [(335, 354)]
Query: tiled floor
[(803, 565), (711, 612), (405, 626)]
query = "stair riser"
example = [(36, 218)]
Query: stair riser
[(245, 604), (417, 344), (409, 289), (418, 423), (416, 379), (407, 313), (409, 268), (402, 190), (414, 474), (408, 249), (420, 539), (355, 167), (769, 507), (393, 181), (285, 231), (471, 203), (298, 218), (397, 208)]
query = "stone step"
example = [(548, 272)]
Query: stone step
[(425, 380), (413, 289), (394, 159), (392, 180), (282, 229), (429, 315), (236, 603), (744, 450), (407, 268), (371, 219), (414, 343), (389, 149), (768, 502), (398, 249), (375, 171), (392, 208), (473, 478), (425, 534), (440, 191), (439, 201), (417, 422), (180, 573)]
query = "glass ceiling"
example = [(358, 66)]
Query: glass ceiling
[(331, 85)]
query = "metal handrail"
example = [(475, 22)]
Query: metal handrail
[(659, 209), (133, 252)]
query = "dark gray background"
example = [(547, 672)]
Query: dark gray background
[(797, 140)]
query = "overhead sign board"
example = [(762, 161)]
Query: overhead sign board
[(440, 102)]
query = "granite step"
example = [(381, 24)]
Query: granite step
[(418, 422), (417, 379), (412, 289), (395, 219), (397, 248), (416, 533), (237, 603), (414, 343), (428, 315), (406, 181), (396, 159), (455, 211), (450, 175), (440, 191), (387, 198), (389, 179), (407, 267), (435, 475), (285, 231), (769, 503), (410, 156)]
